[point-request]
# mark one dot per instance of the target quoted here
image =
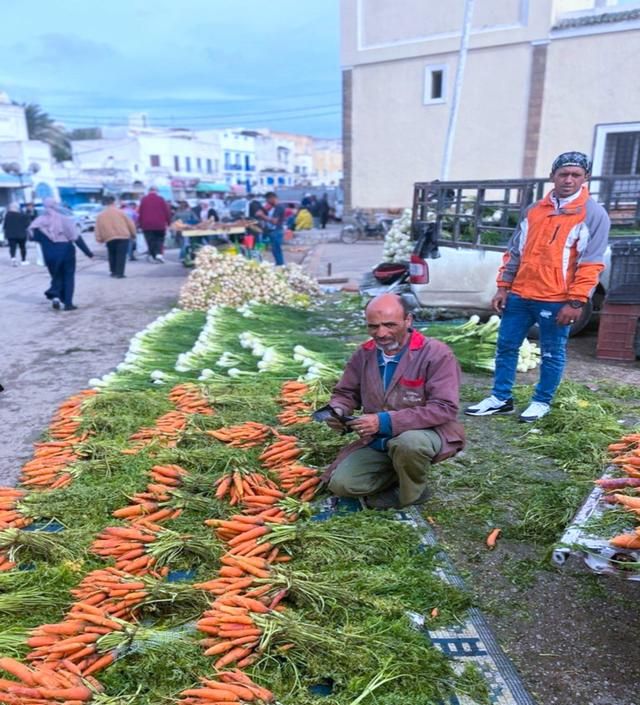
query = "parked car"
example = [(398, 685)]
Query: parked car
[(86, 214)]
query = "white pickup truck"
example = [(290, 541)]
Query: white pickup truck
[(461, 230)]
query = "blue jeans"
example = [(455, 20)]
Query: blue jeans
[(519, 315), (275, 238)]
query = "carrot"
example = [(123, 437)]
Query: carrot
[(630, 541), (101, 663), (17, 669), (493, 537), (236, 654)]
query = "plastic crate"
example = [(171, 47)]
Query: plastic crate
[(624, 283), (619, 332)]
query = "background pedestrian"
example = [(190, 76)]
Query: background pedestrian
[(154, 217), (115, 229), (15, 231)]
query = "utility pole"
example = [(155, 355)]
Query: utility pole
[(457, 89)]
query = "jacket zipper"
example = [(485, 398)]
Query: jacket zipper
[(555, 233)]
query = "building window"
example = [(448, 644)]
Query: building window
[(187, 163), (176, 163), (155, 159), (227, 160), (435, 84), (622, 154), (198, 164), (209, 166)]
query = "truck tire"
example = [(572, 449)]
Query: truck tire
[(580, 324)]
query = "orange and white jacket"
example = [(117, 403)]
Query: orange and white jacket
[(556, 252)]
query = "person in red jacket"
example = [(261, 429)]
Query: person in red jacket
[(549, 271), (154, 216), (407, 387)]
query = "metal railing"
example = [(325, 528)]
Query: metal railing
[(485, 213)]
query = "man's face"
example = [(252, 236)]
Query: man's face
[(568, 180), (388, 325), (272, 200)]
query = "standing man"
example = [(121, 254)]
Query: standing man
[(116, 229), (407, 386), (549, 271), (273, 225), (154, 216)]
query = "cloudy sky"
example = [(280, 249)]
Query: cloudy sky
[(208, 63)]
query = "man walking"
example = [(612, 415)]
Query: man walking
[(273, 225), (116, 229), (154, 216), (549, 271)]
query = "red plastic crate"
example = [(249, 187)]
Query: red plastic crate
[(618, 332)]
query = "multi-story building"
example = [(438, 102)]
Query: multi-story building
[(26, 166), (128, 160), (484, 89), (327, 162)]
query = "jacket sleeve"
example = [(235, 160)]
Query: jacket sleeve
[(346, 394), (442, 389), (97, 230), (511, 259), (591, 247), (82, 245)]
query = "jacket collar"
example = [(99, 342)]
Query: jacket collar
[(416, 341), (574, 206)]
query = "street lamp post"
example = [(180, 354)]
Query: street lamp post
[(15, 169)]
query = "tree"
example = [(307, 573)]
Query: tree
[(41, 126)]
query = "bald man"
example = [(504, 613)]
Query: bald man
[(407, 386)]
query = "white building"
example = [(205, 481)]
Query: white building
[(177, 161), (26, 166)]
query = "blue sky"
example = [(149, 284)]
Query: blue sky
[(208, 63)]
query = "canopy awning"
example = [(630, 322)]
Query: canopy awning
[(12, 181), (213, 188)]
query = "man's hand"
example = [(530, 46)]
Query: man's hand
[(499, 301), (365, 425), (568, 315)]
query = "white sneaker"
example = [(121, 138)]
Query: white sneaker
[(490, 405), (14, 262), (24, 263), (159, 258), (534, 412)]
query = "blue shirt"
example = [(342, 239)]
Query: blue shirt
[(387, 370)]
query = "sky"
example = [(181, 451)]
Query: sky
[(186, 63)]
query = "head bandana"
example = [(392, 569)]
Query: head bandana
[(572, 159)]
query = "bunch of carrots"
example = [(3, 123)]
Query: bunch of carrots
[(189, 399), (9, 513), (66, 421), (146, 506), (252, 489), (232, 686), (128, 546), (166, 432), (284, 451), (626, 456), (246, 435), (113, 591), (296, 410), (50, 682), (75, 639)]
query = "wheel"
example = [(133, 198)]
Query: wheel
[(580, 324), (349, 234)]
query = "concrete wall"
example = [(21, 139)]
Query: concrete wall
[(591, 79)]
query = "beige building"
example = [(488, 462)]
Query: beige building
[(481, 89)]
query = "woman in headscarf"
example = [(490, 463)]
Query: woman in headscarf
[(15, 230), (58, 236)]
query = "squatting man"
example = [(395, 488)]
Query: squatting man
[(407, 386)]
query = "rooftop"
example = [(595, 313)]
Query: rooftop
[(598, 18)]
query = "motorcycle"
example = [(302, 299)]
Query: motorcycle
[(362, 227)]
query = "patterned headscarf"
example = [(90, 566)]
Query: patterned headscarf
[(572, 159)]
